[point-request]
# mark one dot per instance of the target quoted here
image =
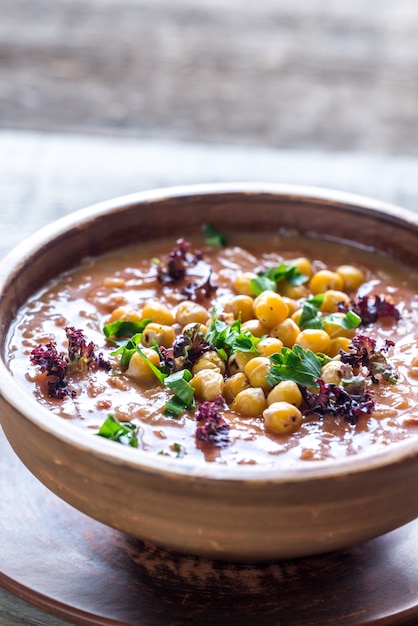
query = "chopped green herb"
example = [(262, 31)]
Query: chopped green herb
[(122, 432), (124, 328), (268, 280), (183, 398), (213, 236), (127, 348), (297, 364), (229, 338), (311, 318)]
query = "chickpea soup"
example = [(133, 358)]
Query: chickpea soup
[(262, 349)]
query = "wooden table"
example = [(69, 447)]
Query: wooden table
[(45, 176)]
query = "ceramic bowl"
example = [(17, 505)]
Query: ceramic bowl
[(229, 513)]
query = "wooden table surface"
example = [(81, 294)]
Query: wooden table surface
[(44, 176)]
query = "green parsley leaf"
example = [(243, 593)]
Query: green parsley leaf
[(127, 348), (268, 280), (159, 372), (122, 432), (311, 318), (213, 236), (310, 312), (183, 398), (124, 328), (229, 338), (297, 364)]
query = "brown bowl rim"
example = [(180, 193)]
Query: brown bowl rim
[(166, 466)]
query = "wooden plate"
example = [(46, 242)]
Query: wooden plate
[(78, 569)]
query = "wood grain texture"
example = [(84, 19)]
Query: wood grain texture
[(86, 573), (303, 75)]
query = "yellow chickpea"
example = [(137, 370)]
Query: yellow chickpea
[(332, 372), (209, 360), (249, 402), (256, 370), (331, 300), (282, 418), (324, 280), (297, 315), (269, 346), (336, 330), (160, 333), (314, 339), (352, 277), (125, 313), (285, 391), (158, 312), (189, 312), (201, 328), (303, 265), (208, 384), (270, 308), (338, 344), (241, 307), (255, 327), (233, 385), (287, 332), (295, 292), (237, 362), (138, 368), (292, 304), (242, 283)]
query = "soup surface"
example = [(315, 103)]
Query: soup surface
[(231, 332)]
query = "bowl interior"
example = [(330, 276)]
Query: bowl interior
[(180, 212)]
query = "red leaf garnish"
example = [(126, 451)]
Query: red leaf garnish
[(367, 355), (178, 262), (371, 308), (211, 425), (335, 400), (56, 364)]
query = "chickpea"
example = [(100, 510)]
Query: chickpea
[(282, 418), (332, 372), (160, 333), (270, 308), (292, 304), (255, 327), (242, 283), (208, 384), (241, 307), (314, 339), (285, 391), (256, 370), (237, 361), (201, 328), (209, 360), (139, 369), (331, 300), (352, 277), (303, 265), (287, 332), (297, 315), (336, 330), (324, 280), (233, 385), (189, 312), (269, 346), (296, 292), (158, 312), (338, 344), (125, 313), (249, 402)]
